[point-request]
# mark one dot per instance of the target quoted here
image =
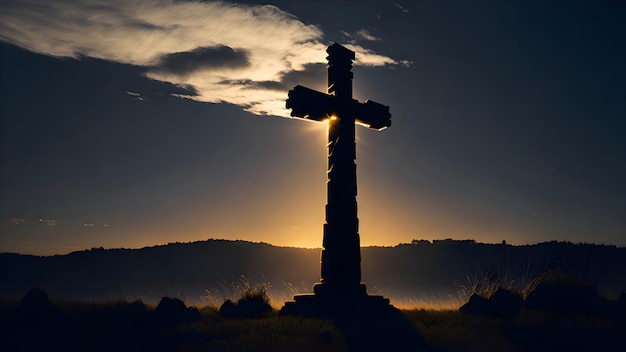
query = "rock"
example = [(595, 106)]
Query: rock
[(137, 306), (504, 303), (35, 309), (556, 298), (252, 308), (477, 305), (228, 309), (244, 309), (35, 299), (172, 311)]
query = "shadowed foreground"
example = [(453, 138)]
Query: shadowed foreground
[(366, 322), (390, 331), (36, 323)]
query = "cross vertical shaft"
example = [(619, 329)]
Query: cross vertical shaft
[(341, 258)]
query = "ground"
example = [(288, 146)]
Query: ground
[(64, 325)]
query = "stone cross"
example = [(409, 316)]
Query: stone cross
[(341, 252)]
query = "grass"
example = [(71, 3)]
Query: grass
[(486, 285), (96, 326), (270, 333), (106, 326), (451, 330), (255, 292), (244, 289), (74, 325)]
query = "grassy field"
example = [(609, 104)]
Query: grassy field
[(123, 326)]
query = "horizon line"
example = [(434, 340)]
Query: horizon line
[(413, 242)]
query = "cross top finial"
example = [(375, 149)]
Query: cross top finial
[(339, 52), (340, 71)]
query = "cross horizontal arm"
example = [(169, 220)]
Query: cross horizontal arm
[(309, 104), (373, 115)]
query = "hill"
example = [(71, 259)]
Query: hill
[(441, 272)]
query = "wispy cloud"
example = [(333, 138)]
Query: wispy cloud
[(92, 225), (227, 52), (361, 35), (402, 8), (49, 222), (17, 221), (135, 95)]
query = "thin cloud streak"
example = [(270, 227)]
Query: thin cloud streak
[(17, 221), (49, 222), (361, 35), (210, 46)]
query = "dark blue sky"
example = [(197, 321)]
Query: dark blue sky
[(508, 123)]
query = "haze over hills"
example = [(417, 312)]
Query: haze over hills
[(209, 271)]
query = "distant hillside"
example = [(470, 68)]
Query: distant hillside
[(202, 271)]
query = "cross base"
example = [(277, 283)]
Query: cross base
[(368, 323), (331, 302)]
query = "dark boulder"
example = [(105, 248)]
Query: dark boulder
[(35, 309), (252, 308), (171, 311), (477, 305), (244, 309), (228, 309), (504, 303), (551, 297), (35, 299)]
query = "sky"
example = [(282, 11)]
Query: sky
[(136, 123)]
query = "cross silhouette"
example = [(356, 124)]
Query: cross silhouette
[(341, 252)]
